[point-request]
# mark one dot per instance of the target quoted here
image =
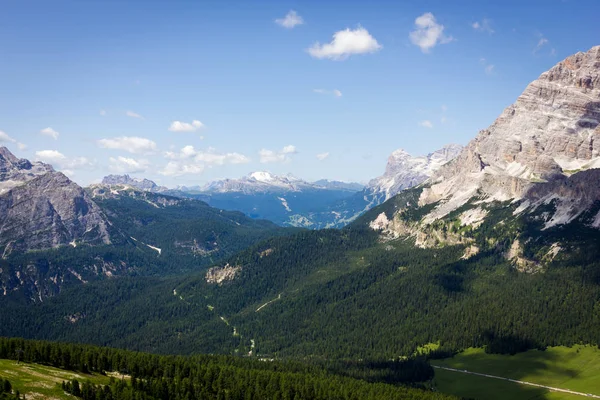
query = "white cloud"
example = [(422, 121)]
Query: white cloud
[(322, 156), (62, 162), (50, 132), (126, 165), (334, 92), (103, 112), (5, 138), (290, 20), (132, 144), (191, 161), (50, 156), (178, 126), (176, 168), (426, 124), (133, 115), (270, 156), (346, 43), (444, 108), (484, 26), (428, 33)]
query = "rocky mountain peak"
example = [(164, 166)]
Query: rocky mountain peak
[(139, 183), (41, 208), (404, 170), (16, 171), (551, 130)]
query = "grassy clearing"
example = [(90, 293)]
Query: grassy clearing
[(575, 368), (42, 382)]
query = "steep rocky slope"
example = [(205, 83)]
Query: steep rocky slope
[(550, 132), (41, 208), (405, 171), (526, 187)]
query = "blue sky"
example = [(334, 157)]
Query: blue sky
[(328, 92)]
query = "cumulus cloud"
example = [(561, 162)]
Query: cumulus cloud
[(322, 156), (133, 115), (191, 161), (484, 26), (334, 92), (426, 124), (62, 162), (178, 126), (132, 144), (103, 112), (209, 156), (428, 33), (346, 43), (176, 168), (290, 20), (270, 156), (50, 132), (126, 165), (5, 138)]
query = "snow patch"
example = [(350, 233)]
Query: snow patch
[(155, 248), (285, 203)]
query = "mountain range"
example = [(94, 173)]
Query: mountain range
[(498, 247), (290, 201)]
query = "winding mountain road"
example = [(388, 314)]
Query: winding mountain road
[(464, 371)]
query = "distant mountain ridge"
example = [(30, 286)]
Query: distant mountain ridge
[(291, 201), (140, 183)]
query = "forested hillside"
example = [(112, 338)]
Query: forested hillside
[(216, 377), (323, 294), (155, 235)]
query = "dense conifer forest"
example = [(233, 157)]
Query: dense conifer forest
[(147, 376)]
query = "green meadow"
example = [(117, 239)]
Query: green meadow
[(41, 382), (574, 368)]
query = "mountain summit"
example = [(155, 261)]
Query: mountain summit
[(404, 170), (550, 133), (126, 180), (41, 208)]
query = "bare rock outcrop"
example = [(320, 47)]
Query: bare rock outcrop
[(551, 131), (41, 208)]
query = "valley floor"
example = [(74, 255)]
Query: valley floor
[(571, 368)]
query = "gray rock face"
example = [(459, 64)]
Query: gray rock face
[(551, 131), (41, 208), (405, 171), (143, 184), (15, 171)]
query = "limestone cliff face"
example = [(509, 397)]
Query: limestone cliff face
[(550, 132), (405, 171), (41, 208)]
